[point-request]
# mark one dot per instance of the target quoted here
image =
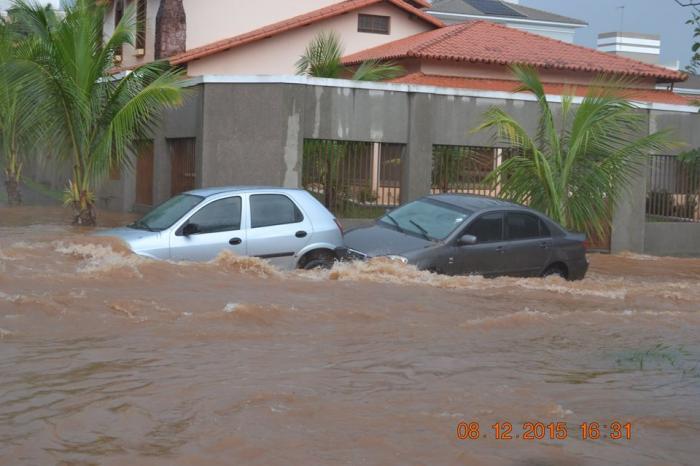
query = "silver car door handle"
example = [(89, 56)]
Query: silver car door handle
[(235, 241), (300, 234)]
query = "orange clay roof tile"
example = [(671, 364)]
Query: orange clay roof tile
[(503, 85), (490, 43)]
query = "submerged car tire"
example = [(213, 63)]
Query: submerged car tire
[(319, 263), (558, 270), (319, 259)]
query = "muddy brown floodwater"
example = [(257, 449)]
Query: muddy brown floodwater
[(111, 359)]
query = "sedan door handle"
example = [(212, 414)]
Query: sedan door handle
[(544, 245), (500, 249), (300, 234), (235, 241)]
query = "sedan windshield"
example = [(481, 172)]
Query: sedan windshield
[(432, 220), (166, 214)]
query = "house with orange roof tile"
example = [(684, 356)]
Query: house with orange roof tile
[(260, 37)]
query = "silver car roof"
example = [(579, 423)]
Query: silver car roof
[(206, 192)]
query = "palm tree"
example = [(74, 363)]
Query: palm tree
[(19, 110), (94, 119), (323, 59), (579, 161)]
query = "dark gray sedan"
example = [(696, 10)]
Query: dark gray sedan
[(460, 234)]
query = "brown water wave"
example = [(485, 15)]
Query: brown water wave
[(108, 358)]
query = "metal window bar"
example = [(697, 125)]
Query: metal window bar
[(463, 169), (141, 17), (353, 179), (673, 190)]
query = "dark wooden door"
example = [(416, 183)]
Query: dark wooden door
[(182, 165), (144, 174)]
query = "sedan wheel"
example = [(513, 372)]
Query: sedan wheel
[(555, 270)]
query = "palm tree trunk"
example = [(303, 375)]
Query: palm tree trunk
[(84, 211), (12, 179), (171, 29), (14, 196), (81, 199)]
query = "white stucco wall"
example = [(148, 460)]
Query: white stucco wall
[(129, 57), (278, 54), (212, 20)]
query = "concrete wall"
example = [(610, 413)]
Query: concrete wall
[(185, 122), (251, 130), (252, 134), (672, 239)]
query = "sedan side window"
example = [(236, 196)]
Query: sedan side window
[(488, 228), (522, 226), (221, 215), (273, 209)]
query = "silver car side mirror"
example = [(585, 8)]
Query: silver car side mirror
[(467, 240)]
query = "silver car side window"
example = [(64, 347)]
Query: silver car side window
[(273, 209), (221, 215)]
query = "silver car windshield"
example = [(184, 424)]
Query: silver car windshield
[(166, 214), (430, 219)]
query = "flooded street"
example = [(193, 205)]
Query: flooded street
[(111, 359)]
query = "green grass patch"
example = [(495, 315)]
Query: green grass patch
[(43, 189), (657, 357)]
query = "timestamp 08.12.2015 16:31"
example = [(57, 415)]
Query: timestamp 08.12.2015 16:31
[(535, 430)]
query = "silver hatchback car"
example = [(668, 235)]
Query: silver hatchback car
[(287, 226)]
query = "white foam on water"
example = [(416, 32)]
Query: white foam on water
[(97, 258), (231, 307)]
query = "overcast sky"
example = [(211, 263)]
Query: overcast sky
[(664, 17)]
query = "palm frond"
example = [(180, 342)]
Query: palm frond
[(322, 57), (89, 117), (375, 70), (574, 170)]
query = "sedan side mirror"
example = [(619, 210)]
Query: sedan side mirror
[(190, 229), (467, 240)]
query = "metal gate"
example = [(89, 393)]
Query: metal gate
[(463, 169), (144, 174), (353, 179), (673, 192), (182, 165)]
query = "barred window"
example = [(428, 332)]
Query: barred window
[(141, 8), (373, 24)]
